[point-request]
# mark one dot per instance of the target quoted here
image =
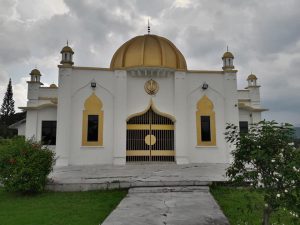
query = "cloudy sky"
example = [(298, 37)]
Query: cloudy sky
[(264, 36)]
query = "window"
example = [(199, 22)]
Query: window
[(205, 122), (244, 127), (48, 133), (92, 122), (205, 128)]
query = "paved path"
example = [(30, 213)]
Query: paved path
[(167, 206), (82, 178)]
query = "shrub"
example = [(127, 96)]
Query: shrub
[(267, 158), (25, 165)]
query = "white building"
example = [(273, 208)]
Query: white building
[(147, 106)]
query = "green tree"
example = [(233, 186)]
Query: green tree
[(8, 105), (266, 158)]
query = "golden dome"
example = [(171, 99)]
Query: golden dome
[(227, 55), (35, 72), (67, 49), (148, 51), (252, 77), (53, 86)]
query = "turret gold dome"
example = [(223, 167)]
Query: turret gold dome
[(148, 51), (227, 55), (67, 48), (35, 72), (252, 77)]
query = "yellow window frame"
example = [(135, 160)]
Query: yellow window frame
[(205, 108)]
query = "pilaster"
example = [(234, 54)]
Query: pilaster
[(63, 138), (180, 109), (120, 115)]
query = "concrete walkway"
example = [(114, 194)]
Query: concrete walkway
[(167, 206), (83, 178)]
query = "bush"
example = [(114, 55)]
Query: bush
[(25, 165), (266, 158)]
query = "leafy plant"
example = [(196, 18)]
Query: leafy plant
[(25, 165), (266, 157)]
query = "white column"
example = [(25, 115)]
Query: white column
[(63, 138), (32, 115), (120, 115), (180, 110), (231, 104)]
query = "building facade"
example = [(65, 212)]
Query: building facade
[(146, 107)]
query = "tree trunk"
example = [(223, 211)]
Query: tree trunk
[(266, 216)]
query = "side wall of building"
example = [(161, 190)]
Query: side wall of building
[(34, 120), (78, 91)]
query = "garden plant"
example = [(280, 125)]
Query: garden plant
[(25, 165), (267, 160)]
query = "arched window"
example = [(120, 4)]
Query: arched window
[(92, 122), (206, 123)]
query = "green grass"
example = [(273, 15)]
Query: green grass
[(237, 203), (58, 208)]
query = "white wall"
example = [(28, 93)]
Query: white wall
[(138, 99), (22, 129), (177, 97), (215, 93), (48, 92), (80, 91), (34, 120)]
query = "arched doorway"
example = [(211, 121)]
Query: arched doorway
[(150, 137)]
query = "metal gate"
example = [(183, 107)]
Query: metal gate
[(150, 137)]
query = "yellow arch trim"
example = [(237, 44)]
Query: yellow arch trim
[(151, 105), (92, 106), (205, 107), (93, 103)]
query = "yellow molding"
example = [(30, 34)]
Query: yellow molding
[(93, 106), (147, 127), (138, 153), (205, 108), (151, 105), (148, 153)]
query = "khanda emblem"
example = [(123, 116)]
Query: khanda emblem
[(151, 87)]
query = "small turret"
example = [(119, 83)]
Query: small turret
[(228, 61), (35, 75), (67, 55), (252, 80)]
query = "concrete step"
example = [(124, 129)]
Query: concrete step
[(89, 186), (168, 189)]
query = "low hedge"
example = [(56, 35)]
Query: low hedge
[(25, 165)]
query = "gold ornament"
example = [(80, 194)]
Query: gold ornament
[(150, 139), (151, 87)]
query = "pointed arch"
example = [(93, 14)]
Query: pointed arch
[(153, 107), (205, 122), (92, 122)]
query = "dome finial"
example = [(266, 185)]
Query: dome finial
[(227, 48), (148, 26), (67, 42)]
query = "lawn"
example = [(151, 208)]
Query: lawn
[(58, 208), (235, 205)]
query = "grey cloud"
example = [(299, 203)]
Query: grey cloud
[(263, 35)]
